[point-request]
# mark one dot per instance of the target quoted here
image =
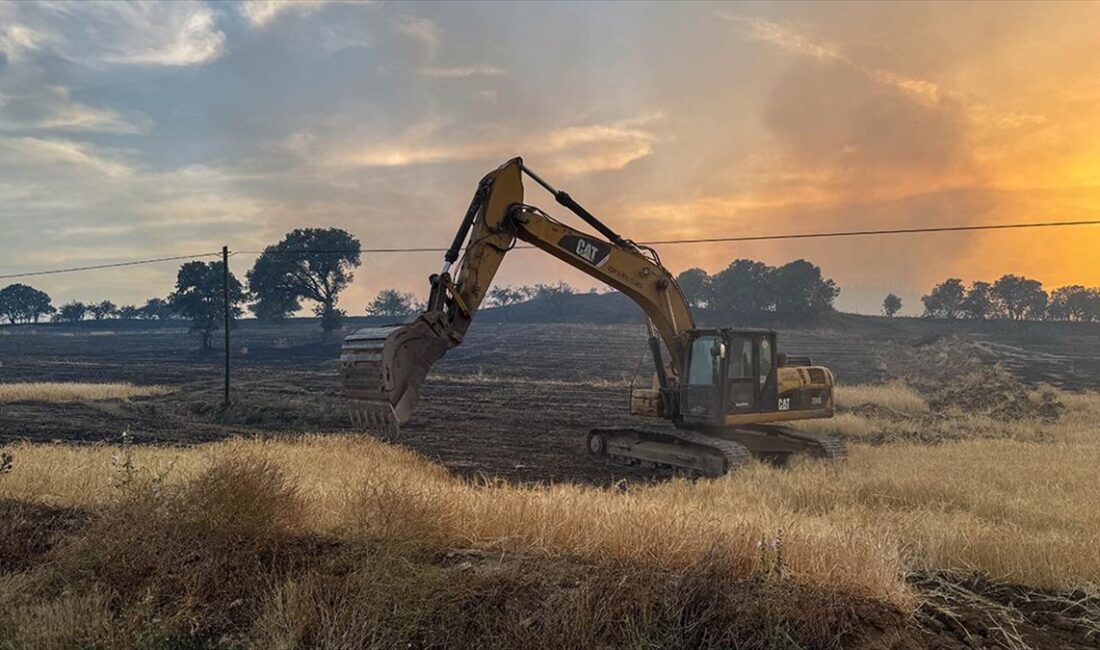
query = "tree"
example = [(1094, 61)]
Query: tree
[(275, 308), (308, 264), (156, 309), (502, 296), (945, 300), (1019, 297), (696, 285), (801, 290), (198, 298), (392, 303), (978, 303), (72, 312), (891, 305), (743, 287), (101, 310), (1075, 303), (553, 295), (23, 303), (129, 312)]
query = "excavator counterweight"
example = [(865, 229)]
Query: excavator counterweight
[(725, 390)]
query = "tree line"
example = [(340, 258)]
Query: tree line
[(1011, 297), (393, 303), (307, 265), (750, 287), (314, 265)]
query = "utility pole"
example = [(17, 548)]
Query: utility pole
[(225, 300)]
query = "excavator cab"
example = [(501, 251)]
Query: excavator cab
[(738, 377)]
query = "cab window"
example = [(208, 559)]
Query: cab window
[(765, 359), (701, 372), (740, 365)]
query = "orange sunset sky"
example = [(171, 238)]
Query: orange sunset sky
[(129, 131)]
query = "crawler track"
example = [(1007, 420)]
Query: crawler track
[(683, 450)]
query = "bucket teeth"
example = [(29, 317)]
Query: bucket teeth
[(375, 418)]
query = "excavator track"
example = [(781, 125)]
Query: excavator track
[(778, 442), (682, 450)]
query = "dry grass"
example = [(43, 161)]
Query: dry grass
[(895, 395), (361, 488), (73, 392), (235, 555), (1019, 507)]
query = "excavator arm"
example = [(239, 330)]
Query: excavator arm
[(384, 367)]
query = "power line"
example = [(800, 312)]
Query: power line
[(863, 233), (742, 238), (661, 242), (108, 266)]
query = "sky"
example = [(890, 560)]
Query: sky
[(143, 130)]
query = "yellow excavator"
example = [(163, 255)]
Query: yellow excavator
[(724, 390)]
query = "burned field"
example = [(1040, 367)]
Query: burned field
[(963, 517), (515, 400)]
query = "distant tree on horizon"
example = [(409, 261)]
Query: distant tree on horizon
[(198, 298), (156, 309), (72, 312), (1075, 303), (312, 264), (945, 300), (801, 290), (697, 287), (101, 310), (24, 303), (392, 303), (891, 305), (129, 312), (1019, 297), (978, 303), (743, 287)]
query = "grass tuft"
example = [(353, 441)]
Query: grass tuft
[(73, 392)]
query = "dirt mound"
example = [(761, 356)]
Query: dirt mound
[(955, 379)]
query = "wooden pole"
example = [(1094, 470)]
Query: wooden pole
[(225, 300)]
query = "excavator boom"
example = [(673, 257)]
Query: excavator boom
[(383, 368)]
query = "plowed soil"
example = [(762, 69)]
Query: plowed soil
[(515, 400)]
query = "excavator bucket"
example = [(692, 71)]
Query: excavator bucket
[(382, 369)]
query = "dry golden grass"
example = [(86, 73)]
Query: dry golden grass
[(362, 488), (895, 395), (1017, 510), (73, 392)]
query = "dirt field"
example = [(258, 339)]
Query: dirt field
[(515, 400)]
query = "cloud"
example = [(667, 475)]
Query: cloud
[(569, 150), (793, 41), (24, 152), (103, 33), (261, 13), (429, 35), (458, 72), (53, 108), (920, 90), (422, 30), (15, 39), (782, 36)]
